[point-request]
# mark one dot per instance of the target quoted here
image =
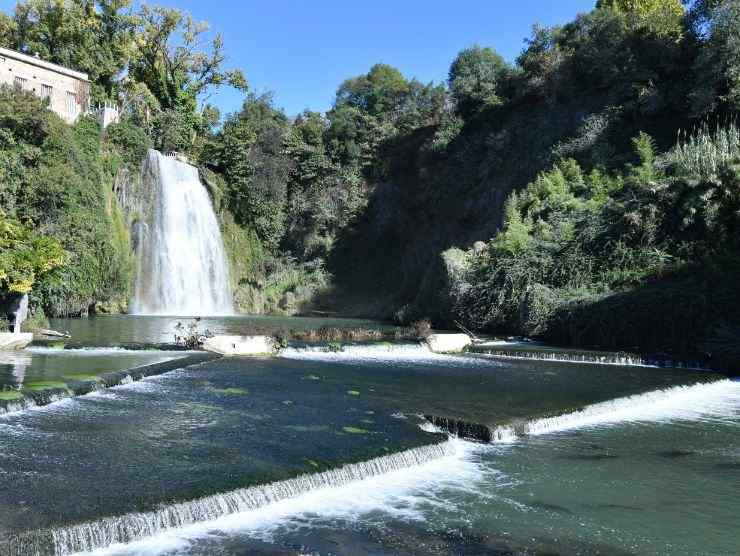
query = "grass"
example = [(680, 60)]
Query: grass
[(707, 151)]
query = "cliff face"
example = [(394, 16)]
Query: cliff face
[(436, 199)]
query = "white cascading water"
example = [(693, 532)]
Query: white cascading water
[(692, 402), (182, 261), (108, 531)]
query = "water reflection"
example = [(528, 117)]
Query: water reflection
[(37, 366), (13, 367)]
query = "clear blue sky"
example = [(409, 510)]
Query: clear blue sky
[(303, 49)]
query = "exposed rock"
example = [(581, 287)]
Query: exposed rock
[(53, 333), (448, 343), (241, 345), (12, 341)]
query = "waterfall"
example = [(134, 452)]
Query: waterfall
[(107, 531), (182, 262)]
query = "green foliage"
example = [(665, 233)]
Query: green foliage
[(571, 241), (707, 152), (336, 347), (56, 182), (378, 93), (660, 17), (251, 156), (130, 140), (25, 256), (96, 37), (170, 61), (477, 79), (717, 66)]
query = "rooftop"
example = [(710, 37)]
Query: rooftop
[(7, 53)]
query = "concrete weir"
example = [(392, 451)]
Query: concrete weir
[(39, 398)]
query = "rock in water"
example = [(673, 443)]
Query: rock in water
[(448, 343), (241, 345)]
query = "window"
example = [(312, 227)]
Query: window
[(71, 103), (20, 82), (45, 91)]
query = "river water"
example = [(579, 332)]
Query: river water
[(317, 452)]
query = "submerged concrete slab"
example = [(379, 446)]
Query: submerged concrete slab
[(448, 343), (241, 345), (14, 340)]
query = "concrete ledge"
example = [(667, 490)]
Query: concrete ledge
[(13, 341), (241, 345), (448, 343)]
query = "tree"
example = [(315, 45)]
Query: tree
[(92, 36), (171, 62), (379, 93), (253, 160), (660, 17), (7, 31), (25, 256), (477, 78), (717, 68)]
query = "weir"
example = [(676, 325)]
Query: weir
[(40, 398), (182, 265), (665, 404), (594, 358), (127, 528)]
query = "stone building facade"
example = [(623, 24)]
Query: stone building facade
[(68, 91)]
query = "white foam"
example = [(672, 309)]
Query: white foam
[(718, 400), (403, 493), (384, 354)]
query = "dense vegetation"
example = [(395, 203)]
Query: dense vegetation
[(60, 220), (595, 178), (646, 257)]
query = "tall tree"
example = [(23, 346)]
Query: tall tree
[(476, 79), (661, 17), (92, 36), (172, 62), (717, 67), (256, 168)]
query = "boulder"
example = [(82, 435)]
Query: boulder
[(241, 345), (12, 340), (448, 343)]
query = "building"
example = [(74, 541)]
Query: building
[(68, 91)]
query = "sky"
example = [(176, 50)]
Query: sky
[(302, 50)]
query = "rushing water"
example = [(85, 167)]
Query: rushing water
[(319, 452), (656, 483), (182, 267)]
